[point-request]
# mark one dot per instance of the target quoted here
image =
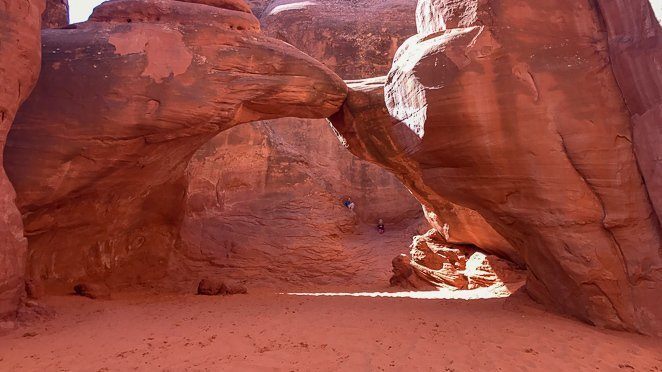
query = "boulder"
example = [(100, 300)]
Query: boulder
[(209, 287), (404, 275), (354, 38), (92, 290), (31, 311), (235, 288), (433, 262)]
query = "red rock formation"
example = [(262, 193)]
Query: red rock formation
[(56, 14), (435, 263), (511, 109), (19, 68), (635, 48), (356, 39), (99, 151), (286, 178), (264, 204), (92, 290)]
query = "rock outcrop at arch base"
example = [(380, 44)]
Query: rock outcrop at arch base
[(19, 67), (99, 151), (510, 109)]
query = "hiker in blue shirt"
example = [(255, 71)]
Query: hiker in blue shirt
[(349, 204)]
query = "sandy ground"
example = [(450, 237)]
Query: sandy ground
[(265, 331)]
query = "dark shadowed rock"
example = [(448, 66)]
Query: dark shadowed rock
[(209, 287), (56, 14), (92, 290), (355, 38)]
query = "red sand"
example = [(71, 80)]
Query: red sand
[(264, 331)]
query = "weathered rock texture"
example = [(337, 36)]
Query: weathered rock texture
[(264, 201), (371, 141), (99, 151), (19, 68), (635, 48), (356, 39), (258, 6), (511, 109), (264, 204), (435, 263), (56, 14)]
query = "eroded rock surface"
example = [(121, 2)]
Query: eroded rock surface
[(511, 109), (56, 14), (99, 152), (209, 287), (19, 68), (635, 48), (356, 39), (435, 263), (264, 201)]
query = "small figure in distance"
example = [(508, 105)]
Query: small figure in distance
[(349, 204), (380, 226)]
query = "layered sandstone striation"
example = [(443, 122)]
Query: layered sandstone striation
[(367, 129), (512, 110), (264, 201), (19, 67), (99, 151), (635, 49)]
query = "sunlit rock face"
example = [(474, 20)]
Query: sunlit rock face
[(99, 152), (56, 14), (19, 68), (264, 202), (435, 263), (511, 109)]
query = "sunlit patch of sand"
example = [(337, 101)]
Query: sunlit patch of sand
[(498, 291)]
